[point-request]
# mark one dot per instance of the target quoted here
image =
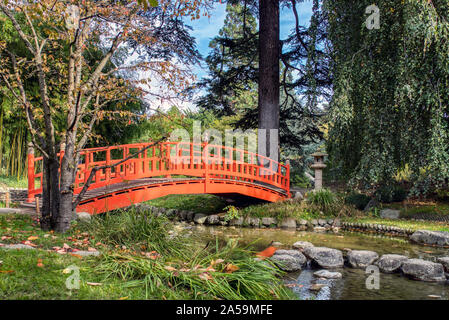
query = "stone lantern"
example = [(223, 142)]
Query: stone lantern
[(318, 166)]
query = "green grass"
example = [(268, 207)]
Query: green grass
[(13, 182), (199, 203), (22, 278), (141, 259)]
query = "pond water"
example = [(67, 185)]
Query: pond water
[(353, 283)]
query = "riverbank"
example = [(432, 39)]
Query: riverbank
[(127, 256)]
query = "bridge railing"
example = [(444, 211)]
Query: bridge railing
[(167, 159)]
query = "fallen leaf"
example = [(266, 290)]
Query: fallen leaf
[(169, 268), (76, 255), (6, 237), (123, 298), (6, 271), (29, 243), (40, 264), (94, 283), (214, 262), (91, 249), (205, 276), (230, 268), (31, 238)]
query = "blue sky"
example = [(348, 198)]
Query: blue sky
[(204, 29)]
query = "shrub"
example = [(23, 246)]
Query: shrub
[(358, 200), (323, 199), (231, 213), (391, 193)]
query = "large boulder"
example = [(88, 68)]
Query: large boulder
[(439, 238), (423, 270), (200, 218), (325, 257), (390, 263), (289, 260), (361, 258)]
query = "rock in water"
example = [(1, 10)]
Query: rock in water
[(361, 258), (325, 257), (439, 238), (327, 274), (390, 263), (288, 261), (419, 269), (294, 253)]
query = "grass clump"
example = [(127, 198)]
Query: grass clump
[(323, 199), (174, 266)]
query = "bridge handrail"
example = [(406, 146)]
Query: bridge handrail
[(159, 160)]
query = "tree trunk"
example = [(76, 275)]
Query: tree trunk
[(268, 103), (50, 193), (68, 168)]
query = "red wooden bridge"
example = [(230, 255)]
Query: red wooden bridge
[(168, 168)]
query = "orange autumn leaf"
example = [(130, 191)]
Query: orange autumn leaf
[(230, 268), (31, 238), (6, 271), (39, 263), (76, 255)]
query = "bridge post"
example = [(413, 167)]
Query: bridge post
[(206, 166), (30, 172), (167, 157), (108, 163)]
